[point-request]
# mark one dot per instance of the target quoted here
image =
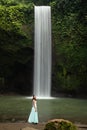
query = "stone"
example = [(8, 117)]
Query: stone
[(59, 124)]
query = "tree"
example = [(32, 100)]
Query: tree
[(69, 43)]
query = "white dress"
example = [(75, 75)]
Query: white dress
[(33, 117)]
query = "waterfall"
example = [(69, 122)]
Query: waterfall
[(42, 54)]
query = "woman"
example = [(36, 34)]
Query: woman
[(33, 118)]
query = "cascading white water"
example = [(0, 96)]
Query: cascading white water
[(42, 55)]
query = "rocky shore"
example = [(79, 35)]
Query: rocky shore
[(27, 126)]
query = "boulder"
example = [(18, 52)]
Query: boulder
[(59, 124)]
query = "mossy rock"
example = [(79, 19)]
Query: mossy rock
[(60, 124)]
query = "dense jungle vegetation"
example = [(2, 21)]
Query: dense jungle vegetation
[(69, 46)]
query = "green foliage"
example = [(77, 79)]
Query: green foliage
[(16, 29), (13, 17), (69, 42), (8, 2), (13, 25)]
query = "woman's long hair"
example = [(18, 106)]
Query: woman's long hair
[(34, 98)]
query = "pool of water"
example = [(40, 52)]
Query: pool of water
[(19, 107), (67, 108)]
